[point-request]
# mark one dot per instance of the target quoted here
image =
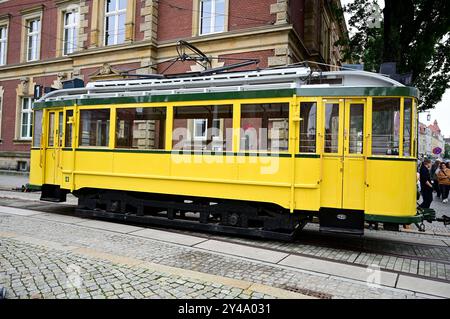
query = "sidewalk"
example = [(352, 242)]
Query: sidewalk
[(9, 180)]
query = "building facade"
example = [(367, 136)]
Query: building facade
[(424, 141), (437, 139), (49, 41), (430, 138)]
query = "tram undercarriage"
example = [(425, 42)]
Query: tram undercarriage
[(197, 214)]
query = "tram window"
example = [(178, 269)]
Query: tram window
[(37, 133), (141, 128), (356, 134), (203, 128), (407, 127), (265, 127), (60, 128), (385, 126), (94, 127), (308, 127), (51, 129), (68, 137), (331, 128)]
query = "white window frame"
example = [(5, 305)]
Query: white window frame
[(116, 12), (26, 112), (220, 128), (203, 136), (214, 14), (73, 45), (31, 35), (3, 44)]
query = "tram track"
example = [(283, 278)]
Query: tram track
[(409, 258)]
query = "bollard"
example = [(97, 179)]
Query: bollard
[(2, 293)]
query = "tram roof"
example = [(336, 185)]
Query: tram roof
[(277, 82)]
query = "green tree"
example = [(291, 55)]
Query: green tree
[(413, 33), (447, 151)]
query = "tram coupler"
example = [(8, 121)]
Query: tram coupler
[(445, 219)]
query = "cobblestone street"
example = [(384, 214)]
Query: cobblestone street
[(44, 255), (34, 271)]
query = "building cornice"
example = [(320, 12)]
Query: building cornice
[(63, 2), (230, 34), (113, 48), (149, 44), (33, 9), (34, 63), (5, 16)]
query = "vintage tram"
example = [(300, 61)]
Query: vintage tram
[(257, 152)]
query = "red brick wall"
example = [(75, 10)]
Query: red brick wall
[(262, 55), (139, 19), (9, 112), (174, 19), (88, 29), (245, 14), (297, 16), (182, 67), (48, 27), (9, 117), (178, 67)]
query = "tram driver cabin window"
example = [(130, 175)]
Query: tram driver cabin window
[(407, 127), (94, 127), (385, 126), (141, 128), (265, 127)]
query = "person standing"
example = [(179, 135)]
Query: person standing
[(444, 181), (425, 184), (434, 171)]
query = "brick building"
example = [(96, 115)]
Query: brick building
[(44, 42)]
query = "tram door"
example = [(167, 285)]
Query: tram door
[(53, 156), (343, 166)]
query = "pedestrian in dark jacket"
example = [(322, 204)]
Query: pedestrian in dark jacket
[(425, 184)]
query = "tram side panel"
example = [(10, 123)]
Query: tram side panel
[(307, 184), (391, 189), (36, 167), (189, 175)]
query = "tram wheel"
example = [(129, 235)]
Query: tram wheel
[(391, 227)]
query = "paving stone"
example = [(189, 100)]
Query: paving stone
[(24, 260)]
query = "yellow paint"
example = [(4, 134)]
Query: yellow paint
[(338, 180)]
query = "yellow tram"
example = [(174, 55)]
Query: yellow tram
[(260, 152)]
